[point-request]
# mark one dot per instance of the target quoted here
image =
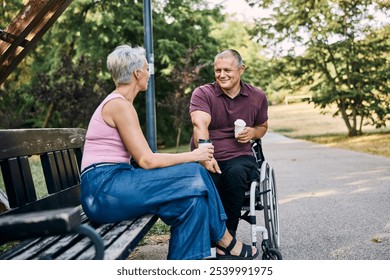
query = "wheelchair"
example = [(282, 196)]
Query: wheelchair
[(262, 196)]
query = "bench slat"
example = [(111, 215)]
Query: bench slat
[(50, 172), (23, 142), (110, 234), (40, 247), (63, 247), (28, 182), (61, 169), (120, 240), (18, 181), (70, 172), (63, 199), (133, 236)]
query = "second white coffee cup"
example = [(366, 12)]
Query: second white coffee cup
[(239, 125)]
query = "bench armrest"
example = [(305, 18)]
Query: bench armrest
[(38, 224), (48, 223)]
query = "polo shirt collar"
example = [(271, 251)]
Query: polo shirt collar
[(244, 91)]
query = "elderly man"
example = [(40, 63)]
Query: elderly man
[(214, 108)]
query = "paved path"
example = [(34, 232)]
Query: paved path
[(333, 204)]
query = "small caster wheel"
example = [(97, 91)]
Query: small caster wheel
[(272, 254)]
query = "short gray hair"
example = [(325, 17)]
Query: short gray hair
[(123, 61), (229, 53)]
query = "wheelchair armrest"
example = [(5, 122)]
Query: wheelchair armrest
[(257, 150), (39, 223)]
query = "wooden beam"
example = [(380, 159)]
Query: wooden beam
[(22, 34)]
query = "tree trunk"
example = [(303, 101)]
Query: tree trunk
[(178, 138), (361, 125), (49, 114), (351, 130)]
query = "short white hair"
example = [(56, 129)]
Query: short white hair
[(123, 61)]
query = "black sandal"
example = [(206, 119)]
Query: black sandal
[(245, 254)]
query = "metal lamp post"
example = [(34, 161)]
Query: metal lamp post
[(150, 100)]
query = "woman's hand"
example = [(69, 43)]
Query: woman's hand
[(203, 153), (212, 166), (210, 163)]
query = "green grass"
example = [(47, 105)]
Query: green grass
[(6, 246), (370, 143), (303, 121), (158, 229)]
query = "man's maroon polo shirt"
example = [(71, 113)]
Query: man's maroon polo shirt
[(250, 104)]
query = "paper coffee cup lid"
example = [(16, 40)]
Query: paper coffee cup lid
[(240, 122)]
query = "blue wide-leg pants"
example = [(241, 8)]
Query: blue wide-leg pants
[(183, 196)]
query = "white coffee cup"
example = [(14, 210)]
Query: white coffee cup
[(203, 142), (239, 125)]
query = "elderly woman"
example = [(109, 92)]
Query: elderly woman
[(175, 187)]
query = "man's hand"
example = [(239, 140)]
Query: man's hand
[(245, 136)]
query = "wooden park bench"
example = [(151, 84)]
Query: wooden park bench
[(297, 97), (53, 225)]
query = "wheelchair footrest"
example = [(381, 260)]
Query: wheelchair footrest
[(258, 205), (250, 219)]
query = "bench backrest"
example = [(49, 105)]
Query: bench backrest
[(59, 151)]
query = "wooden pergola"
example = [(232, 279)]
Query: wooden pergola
[(25, 30), (32, 22)]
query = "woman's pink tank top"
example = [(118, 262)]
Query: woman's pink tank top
[(103, 143)]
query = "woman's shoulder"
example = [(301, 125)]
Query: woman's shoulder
[(113, 95), (115, 100)]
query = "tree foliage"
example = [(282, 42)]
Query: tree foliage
[(233, 34), (346, 58), (67, 75), (62, 80), (184, 48)]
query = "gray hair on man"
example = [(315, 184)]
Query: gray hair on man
[(123, 61), (229, 53)]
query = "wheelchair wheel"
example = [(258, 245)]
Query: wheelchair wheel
[(270, 201)]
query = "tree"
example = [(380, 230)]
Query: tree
[(69, 64), (68, 77), (16, 105), (346, 61), (184, 49), (233, 34), (183, 77)]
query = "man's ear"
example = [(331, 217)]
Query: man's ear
[(242, 68)]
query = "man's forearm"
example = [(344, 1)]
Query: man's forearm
[(260, 131), (200, 133)]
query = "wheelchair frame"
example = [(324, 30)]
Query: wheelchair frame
[(263, 197)]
